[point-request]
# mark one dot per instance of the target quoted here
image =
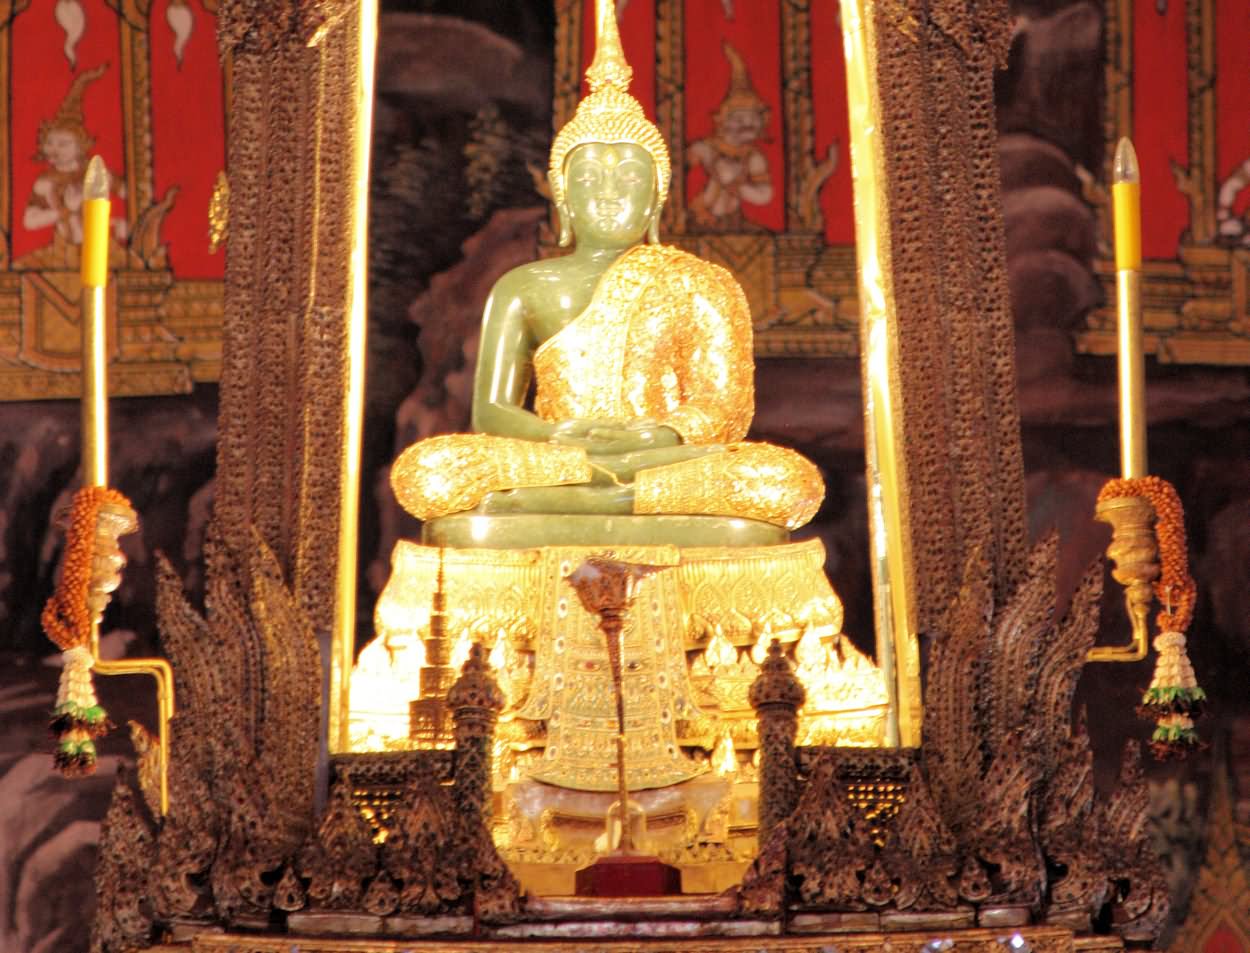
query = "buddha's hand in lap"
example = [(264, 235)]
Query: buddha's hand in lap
[(614, 437)]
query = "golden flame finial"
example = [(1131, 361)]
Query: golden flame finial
[(1125, 168), (609, 67), (96, 181)]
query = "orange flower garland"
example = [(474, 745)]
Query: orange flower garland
[(1174, 696), (66, 618), (1175, 588)]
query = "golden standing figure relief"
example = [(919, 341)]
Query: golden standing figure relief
[(639, 357)]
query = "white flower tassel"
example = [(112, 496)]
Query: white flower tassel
[(78, 717), (1174, 697)]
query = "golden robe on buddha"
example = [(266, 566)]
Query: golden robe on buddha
[(666, 337)]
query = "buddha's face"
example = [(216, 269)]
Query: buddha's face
[(610, 193)]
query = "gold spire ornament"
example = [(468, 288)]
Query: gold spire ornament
[(609, 114)]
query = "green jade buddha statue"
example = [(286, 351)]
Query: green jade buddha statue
[(641, 359)]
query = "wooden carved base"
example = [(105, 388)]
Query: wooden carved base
[(667, 937)]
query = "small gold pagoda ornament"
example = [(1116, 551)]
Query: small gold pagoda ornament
[(429, 716)]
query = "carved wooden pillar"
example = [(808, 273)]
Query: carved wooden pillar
[(776, 695), (289, 295), (937, 331), (475, 701)]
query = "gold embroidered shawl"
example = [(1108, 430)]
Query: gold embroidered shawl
[(667, 336)]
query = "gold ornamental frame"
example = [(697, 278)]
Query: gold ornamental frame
[(168, 330), (1196, 306), (802, 291)]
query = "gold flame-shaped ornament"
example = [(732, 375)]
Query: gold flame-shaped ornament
[(609, 114)]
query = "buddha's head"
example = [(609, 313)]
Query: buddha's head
[(609, 163)]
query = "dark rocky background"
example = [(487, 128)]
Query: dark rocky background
[(463, 118)]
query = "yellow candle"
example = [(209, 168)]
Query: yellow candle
[(1126, 206), (94, 272), (95, 225)]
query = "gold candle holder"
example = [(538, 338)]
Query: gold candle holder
[(113, 521), (1135, 552), (1134, 548), (607, 588)]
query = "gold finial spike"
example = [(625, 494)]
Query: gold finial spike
[(96, 182), (1125, 168), (609, 67)]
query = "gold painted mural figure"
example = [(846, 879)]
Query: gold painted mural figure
[(737, 171), (641, 353), (55, 200)]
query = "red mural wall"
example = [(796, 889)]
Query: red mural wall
[(183, 92), (754, 34), (1160, 96), (829, 107), (188, 121), (734, 48)]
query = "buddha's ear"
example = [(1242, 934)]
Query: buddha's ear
[(653, 226), (562, 211)]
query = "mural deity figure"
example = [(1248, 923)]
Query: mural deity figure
[(737, 170), (55, 199), (1233, 226)]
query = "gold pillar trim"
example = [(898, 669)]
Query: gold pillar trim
[(893, 574), (802, 210), (8, 12), (1198, 182), (136, 104), (344, 627)]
